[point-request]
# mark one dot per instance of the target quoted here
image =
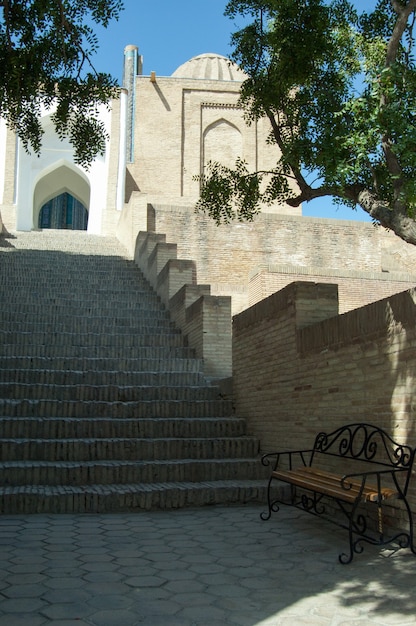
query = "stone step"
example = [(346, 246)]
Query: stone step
[(94, 340), (112, 269), (29, 499), (70, 428), (106, 392), (138, 410), (36, 377), (97, 326), (109, 311), (97, 352), (61, 241), (131, 448), (111, 266), (88, 294), (121, 471), (129, 309), (113, 314), (102, 406), (28, 271), (54, 287), (35, 263), (149, 366)]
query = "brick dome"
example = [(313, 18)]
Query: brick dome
[(210, 66)]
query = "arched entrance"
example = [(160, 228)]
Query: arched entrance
[(63, 211), (61, 198)]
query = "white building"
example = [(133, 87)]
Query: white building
[(162, 132)]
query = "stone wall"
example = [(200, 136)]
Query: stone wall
[(299, 369), (249, 261), (355, 289)]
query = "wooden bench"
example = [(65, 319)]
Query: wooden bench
[(352, 466)]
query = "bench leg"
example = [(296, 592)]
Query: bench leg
[(357, 531), (357, 525), (272, 505), (410, 543), (353, 526)]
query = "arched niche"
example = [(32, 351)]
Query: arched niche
[(61, 178), (222, 142)]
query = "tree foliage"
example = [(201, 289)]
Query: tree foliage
[(339, 88), (46, 50)]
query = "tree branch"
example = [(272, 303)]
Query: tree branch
[(403, 13), (6, 7), (303, 185), (392, 162), (402, 225), (311, 193)]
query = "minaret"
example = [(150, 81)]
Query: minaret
[(122, 151), (132, 67)]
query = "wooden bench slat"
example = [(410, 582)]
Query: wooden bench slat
[(330, 485), (308, 483), (332, 480), (370, 492)]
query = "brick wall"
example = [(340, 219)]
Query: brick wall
[(180, 125), (8, 209), (249, 261), (208, 330), (295, 374), (355, 289), (110, 216)]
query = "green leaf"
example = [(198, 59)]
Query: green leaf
[(46, 49)]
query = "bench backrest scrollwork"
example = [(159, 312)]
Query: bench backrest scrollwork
[(365, 442)]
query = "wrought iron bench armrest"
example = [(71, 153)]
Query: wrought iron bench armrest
[(374, 492), (290, 456)]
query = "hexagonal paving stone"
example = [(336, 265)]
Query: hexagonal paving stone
[(110, 602), (32, 578), (145, 581), (206, 613), (21, 619), (22, 605), (65, 583), (68, 610), (116, 617), (177, 586), (24, 591), (105, 577)]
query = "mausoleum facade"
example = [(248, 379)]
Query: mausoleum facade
[(162, 132)]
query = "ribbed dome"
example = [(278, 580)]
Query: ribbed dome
[(210, 66)]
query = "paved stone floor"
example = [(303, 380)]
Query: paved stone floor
[(212, 566)]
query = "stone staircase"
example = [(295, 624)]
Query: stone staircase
[(102, 407)]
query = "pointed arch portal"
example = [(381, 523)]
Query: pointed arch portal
[(61, 198), (63, 211)]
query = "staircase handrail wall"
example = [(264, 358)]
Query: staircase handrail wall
[(204, 319)]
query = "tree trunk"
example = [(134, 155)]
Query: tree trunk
[(397, 221)]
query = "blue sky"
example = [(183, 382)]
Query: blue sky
[(168, 33)]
